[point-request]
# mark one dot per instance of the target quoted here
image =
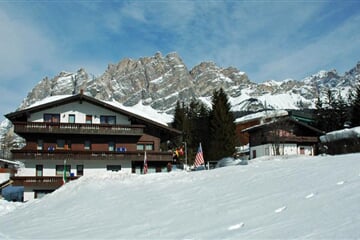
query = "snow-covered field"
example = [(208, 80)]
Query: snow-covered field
[(277, 198)]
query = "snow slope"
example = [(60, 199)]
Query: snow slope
[(271, 198)]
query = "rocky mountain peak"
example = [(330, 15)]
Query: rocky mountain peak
[(160, 81)]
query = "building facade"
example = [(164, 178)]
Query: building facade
[(283, 136), (81, 135)]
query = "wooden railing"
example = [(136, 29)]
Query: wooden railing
[(90, 155), (77, 128), (289, 139), (46, 181)]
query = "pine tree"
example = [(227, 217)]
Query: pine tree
[(198, 122), (193, 121), (319, 113), (222, 127), (179, 116), (355, 113)]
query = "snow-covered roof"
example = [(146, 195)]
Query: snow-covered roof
[(146, 111), (260, 115), (141, 110), (47, 100), (347, 133), (9, 161)]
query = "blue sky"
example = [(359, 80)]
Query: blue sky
[(266, 39)]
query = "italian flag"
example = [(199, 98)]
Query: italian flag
[(64, 172)]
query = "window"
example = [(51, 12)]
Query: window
[(88, 119), (71, 118), (39, 170), (52, 118), (111, 146), (107, 119), (147, 147), (60, 143), (114, 168), (60, 170), (40, 144), (302, 150), (79, 170), (87, 145)]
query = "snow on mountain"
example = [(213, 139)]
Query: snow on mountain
[(146, 111), (271, 198), (158, 82)]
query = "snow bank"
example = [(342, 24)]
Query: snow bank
[(271, 198)]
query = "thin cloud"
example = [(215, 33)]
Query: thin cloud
[(267, 40)]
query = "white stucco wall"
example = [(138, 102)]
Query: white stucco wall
[(285, 149), (80, 111), (28, 195), (90, 166)]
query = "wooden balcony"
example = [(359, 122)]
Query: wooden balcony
[(78, 128), (10, 171), (290, 139), (46, 182), (90, 155)]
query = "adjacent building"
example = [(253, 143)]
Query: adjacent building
[(283, 136), (81, 135)]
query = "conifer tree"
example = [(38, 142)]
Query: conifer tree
[(319, 113), (198, 122), (179, 116), (193, 121), (355, 113), (222, 127)]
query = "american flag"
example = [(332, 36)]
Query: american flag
[(199, 158), (145, 164)]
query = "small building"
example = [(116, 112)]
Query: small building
[(283, 136), (341, 141), (8, 169), (81, 135)]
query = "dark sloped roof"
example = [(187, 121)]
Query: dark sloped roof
[(260, 126), (81, 97)]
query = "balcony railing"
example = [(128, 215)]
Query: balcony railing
[(78, 128), (289, 139), (89, 155), (47, 181)]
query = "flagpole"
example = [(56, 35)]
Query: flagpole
[(185, 154)]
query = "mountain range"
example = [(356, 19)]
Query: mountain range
[(160, 81)]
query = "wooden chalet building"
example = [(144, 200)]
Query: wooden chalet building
[(254, 119), (85, 136), (283, 136)]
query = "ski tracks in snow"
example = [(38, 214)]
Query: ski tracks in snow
[(282, 208), (309, 196), (236, 226)]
